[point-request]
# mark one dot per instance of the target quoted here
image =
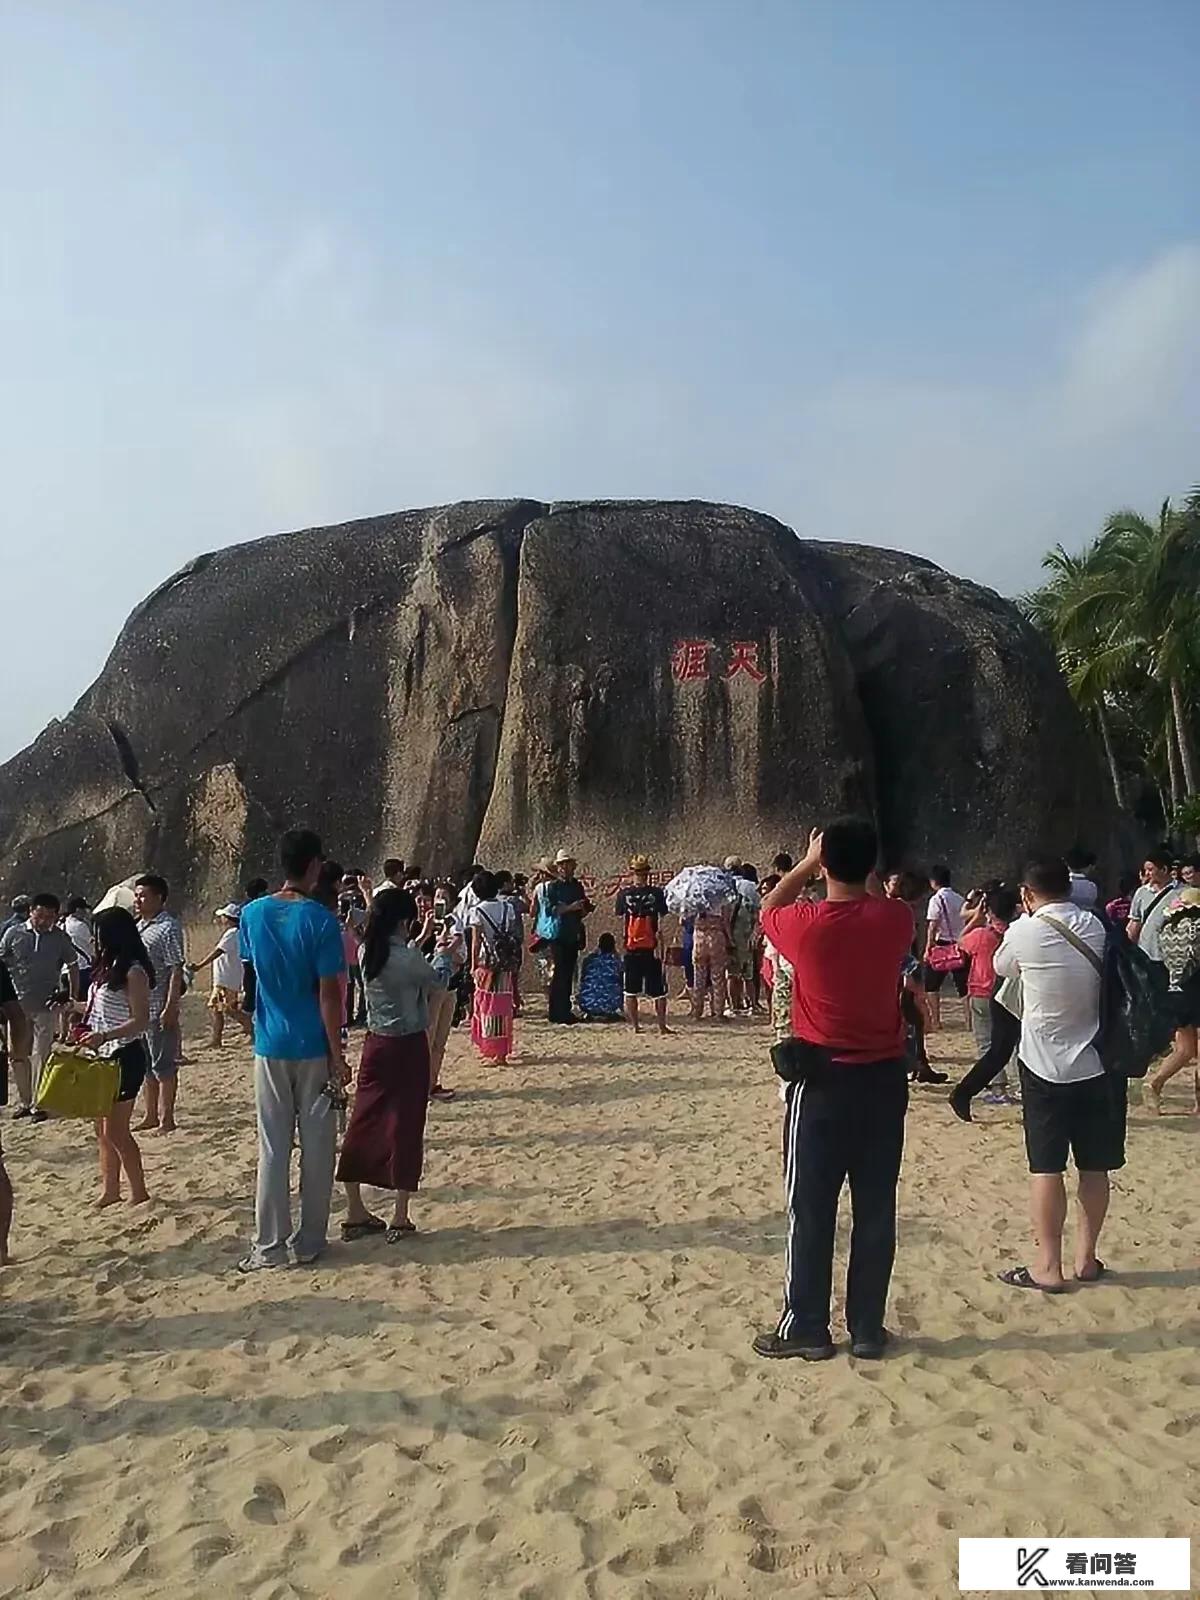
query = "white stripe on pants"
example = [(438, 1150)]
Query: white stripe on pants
[(791, 1134), (289, 1097)]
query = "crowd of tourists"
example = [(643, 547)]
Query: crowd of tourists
[(851, 967)]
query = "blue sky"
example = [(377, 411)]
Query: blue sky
[(923, 273)]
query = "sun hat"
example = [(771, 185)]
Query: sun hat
[(1188, 897), (232, 911), (639, 863), (731, 862), (562, 857), (121, 894)]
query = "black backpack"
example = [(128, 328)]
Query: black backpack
[(1136, 1025), (502, 952)]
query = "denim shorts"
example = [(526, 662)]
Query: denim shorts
[(165, 1046)]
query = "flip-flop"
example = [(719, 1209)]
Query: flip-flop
[(1100, 1272), (362, 1230), (394, 1235), (1022, 1278)]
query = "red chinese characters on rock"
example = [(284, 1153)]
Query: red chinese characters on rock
[(690, 657), (689, 660), (745, 659)]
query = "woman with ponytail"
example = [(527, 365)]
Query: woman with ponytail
[(384, 1144)]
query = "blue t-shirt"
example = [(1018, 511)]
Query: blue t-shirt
[(293, 945)]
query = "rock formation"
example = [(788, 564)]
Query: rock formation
[(498, 678)]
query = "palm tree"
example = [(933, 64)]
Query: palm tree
[(1124, 618), (1093, 663), (1154, 596)]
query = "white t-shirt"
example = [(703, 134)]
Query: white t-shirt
[(945, 914), (500, 914), (1061, 991), (386, 884), (465, 904), (1152, 921), (80, 934), (227, 968)]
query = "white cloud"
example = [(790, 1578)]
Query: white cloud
[(984, 478), (416, 394), (328, 386)]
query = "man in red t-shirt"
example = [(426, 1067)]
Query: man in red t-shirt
[(846, 1120)]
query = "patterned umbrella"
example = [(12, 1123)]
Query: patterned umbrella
[(695, 891)]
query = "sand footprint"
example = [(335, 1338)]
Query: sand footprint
[(267, 1503), (328, 1450), (212, 1548)]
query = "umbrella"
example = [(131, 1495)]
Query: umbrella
[(695, 891), (121, 894), (747, 892)]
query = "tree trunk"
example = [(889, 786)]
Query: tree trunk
[(1173, 769), (1182, 733), (1164, 804), (1114, 770)]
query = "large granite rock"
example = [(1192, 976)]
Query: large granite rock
[(500, 678), (982, 753), (627, 725)]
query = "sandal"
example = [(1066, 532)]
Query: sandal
[(442, 1094), (1100, 1272), (394, 1235), (362, 1230), (1022, 1278)]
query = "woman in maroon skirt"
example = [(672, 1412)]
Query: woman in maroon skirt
[(385, 1142)]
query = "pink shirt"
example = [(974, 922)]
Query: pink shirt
[(981, 945)]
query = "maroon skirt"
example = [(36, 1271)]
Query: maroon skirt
[(385, 1142)]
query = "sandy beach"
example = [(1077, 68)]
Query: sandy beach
[(550, 1393)]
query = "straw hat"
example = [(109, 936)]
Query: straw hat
[(639, 863)]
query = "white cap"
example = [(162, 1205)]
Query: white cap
[(232, 911), (562, 856)]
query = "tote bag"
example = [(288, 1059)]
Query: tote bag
[(78, 1083)]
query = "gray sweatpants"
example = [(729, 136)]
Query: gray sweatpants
[(289, 1098)]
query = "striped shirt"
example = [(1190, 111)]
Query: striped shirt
[(108, 1011)]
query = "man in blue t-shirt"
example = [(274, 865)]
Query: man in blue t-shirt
[(295, 945)]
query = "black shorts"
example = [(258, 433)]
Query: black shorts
[(134, 1061), (934, 980), (1185, 1003), (643, 973), (1086, 1118)]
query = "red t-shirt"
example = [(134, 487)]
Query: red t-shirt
[(846, 955), (981, 945)]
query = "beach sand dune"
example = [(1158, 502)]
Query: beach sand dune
[(550, 1394)]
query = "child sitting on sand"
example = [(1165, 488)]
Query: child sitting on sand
[(601, 996)]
